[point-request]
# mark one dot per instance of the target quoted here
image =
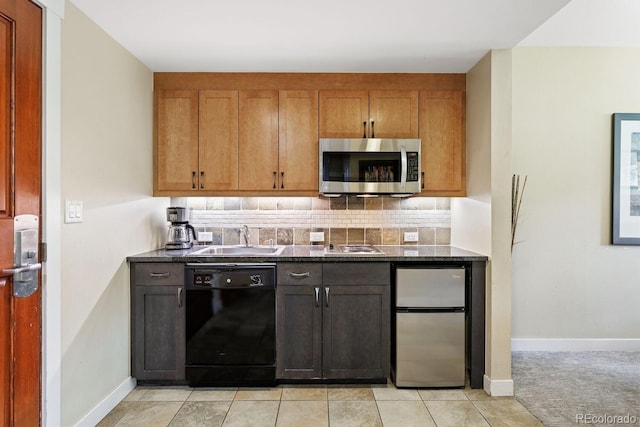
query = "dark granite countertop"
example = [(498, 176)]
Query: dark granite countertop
[(316, 254)]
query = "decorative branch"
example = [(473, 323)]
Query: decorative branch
[(516, 201)]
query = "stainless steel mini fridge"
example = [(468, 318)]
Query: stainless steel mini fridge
[(429, 327)]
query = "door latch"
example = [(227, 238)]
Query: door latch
[(25, 255)]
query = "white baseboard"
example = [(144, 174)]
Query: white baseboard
[(103, 408), (498, 387), (575, 344)]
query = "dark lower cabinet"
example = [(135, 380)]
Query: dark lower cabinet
[(158, 322), (333, 321)]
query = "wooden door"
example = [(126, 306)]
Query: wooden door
[(343, 113), (394, 113), (443, 143), (356, 332), (176, 150), (218, 140), (298, 332), (20, 189), (298, 142), (258, 151)]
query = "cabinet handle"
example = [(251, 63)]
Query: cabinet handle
[(299, 275), (275, 175), (160, 275), (422, 179), (373, 134), (326, 294), (317, 297), (193, 179), (282, 180), (179, 297), (201, 179), (364, 129)]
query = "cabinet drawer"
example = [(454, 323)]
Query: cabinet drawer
[(158, 273), (299, 274), (357, 273)]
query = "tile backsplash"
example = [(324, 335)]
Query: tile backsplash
[(289, 220)]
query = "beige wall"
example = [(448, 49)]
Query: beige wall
[(568, 281), (106, 163), (481, 221)]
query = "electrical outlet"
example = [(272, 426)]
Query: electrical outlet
[(205, 236), (411, 236), (316, 236)]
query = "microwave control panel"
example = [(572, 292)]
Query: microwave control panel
[(413, 168)]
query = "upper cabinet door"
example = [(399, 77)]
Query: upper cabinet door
[(258, 152), (443, 143), (218, 140), (176, 154), (343, 112), (394, 114), (298, 145)]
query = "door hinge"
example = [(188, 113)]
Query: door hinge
[(43, 251)]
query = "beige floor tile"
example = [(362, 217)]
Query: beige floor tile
[(506, 413), (389, 392), (136, 394), (196, 414), (350, 393), (150, 414), (165, 394), (252, 413), (455, 413), (476, 394), (397, 413), (116, 414), (304, 393), (258, 393), (303, 413), (442, 395), (212, 395), (354, 414)]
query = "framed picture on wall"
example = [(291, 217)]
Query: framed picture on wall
[(626, 182)]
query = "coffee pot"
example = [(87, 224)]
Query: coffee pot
[(181, 234)]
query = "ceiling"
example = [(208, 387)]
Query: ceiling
[(429, 36)]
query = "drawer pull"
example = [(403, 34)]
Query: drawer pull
[(326, 294), (160, 275), (317, 297), (299, 275)]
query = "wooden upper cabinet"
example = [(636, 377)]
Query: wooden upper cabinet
[(218, 140), (394, 114), (342, 113), (298, 144), (443, 143), (176, 149), (258, 139)]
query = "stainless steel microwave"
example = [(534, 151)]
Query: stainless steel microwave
[(369, 166)]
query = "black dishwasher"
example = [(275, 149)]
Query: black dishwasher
[(230, 324)]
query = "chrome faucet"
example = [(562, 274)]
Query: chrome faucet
[(244, 233)]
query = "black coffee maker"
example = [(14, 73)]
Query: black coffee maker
[(181, 234)]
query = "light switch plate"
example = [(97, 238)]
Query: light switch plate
[(316, 236), (72, 211), (411, 236)]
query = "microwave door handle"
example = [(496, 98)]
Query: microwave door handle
[(403, 159)]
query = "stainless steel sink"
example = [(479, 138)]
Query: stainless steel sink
[(239, 250), (355, 250)]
